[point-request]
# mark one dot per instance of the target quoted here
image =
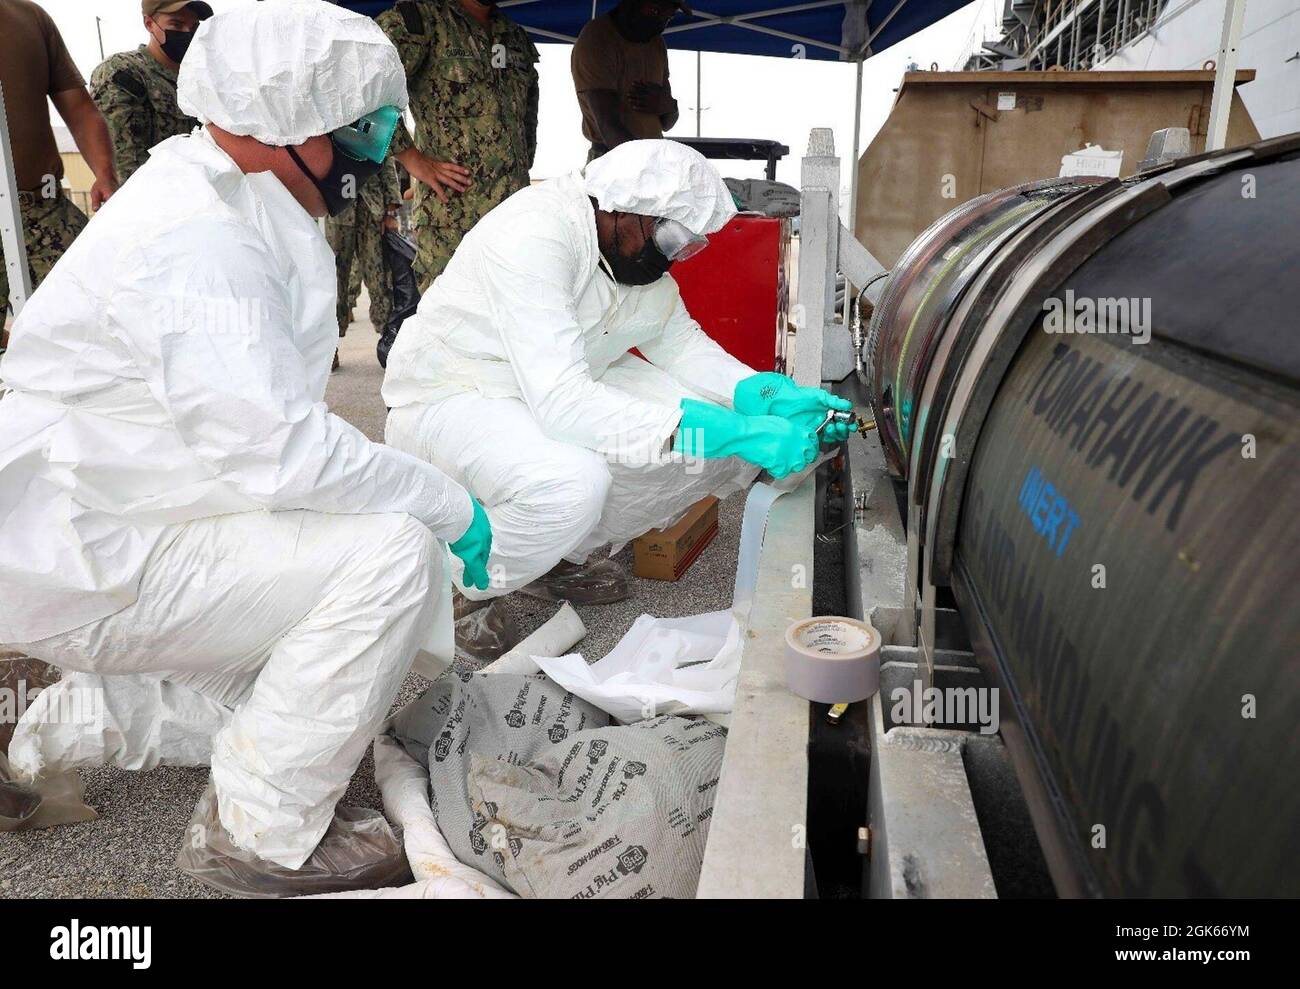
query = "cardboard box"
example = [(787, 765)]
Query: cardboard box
[(665, 554)]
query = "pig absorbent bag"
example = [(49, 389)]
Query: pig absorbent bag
[(534, 787)]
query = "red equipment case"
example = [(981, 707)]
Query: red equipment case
[(737, 289)]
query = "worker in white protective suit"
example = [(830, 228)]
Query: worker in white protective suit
[(515, 377), (224, 570)]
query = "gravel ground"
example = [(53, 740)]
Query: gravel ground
[(131, 849)]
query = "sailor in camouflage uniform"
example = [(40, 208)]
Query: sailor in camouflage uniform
[(50, 225), (356, 237), (472, 77), (136, 90)]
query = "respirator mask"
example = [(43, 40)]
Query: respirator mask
[(359, 152)]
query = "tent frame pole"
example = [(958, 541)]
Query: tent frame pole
[(853, 181), (857, 141), (1225, 75), (11, 221), (862, 55)]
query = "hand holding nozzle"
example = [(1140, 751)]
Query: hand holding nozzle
[(843, 419), (769, 393)]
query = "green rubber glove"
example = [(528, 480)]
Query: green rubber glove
[(777, 445), (473, 548), (772, 394)]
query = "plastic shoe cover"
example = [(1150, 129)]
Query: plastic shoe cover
[(21, 678), (599, 581), (359, 851), (461, 606), (28, 806), (487, 633)]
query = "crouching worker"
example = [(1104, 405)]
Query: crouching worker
[(230, 571), (515, 377)]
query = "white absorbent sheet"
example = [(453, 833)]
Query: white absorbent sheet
[(661, 666), (676, 665)]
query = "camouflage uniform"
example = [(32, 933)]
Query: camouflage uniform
[(474, 93), (49, 226), (355, 236), (137, 96), (376, 207), (354, 288)]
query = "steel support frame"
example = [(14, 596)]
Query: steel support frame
[(762, 792), (923, 839), (826, 249)]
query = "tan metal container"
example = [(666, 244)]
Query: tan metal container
[(952, 136)]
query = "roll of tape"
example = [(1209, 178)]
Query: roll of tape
[(832, 660)]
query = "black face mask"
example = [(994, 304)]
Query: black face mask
[(646, 266), (342, 183), (643, 29), (636, 27), (175, 44)]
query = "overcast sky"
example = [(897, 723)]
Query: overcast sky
[(744, 96)]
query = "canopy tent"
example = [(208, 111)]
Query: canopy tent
[(829, 30)]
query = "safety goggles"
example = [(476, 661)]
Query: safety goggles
[(359, 152), (676, 241), (369, 138)]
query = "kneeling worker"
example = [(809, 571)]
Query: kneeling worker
[(515, 377), (235, 573)]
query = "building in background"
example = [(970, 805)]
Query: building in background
[(1120, 35), (77, 176)]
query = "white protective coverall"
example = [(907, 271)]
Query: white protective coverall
[(514, 375), (219, 565)]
